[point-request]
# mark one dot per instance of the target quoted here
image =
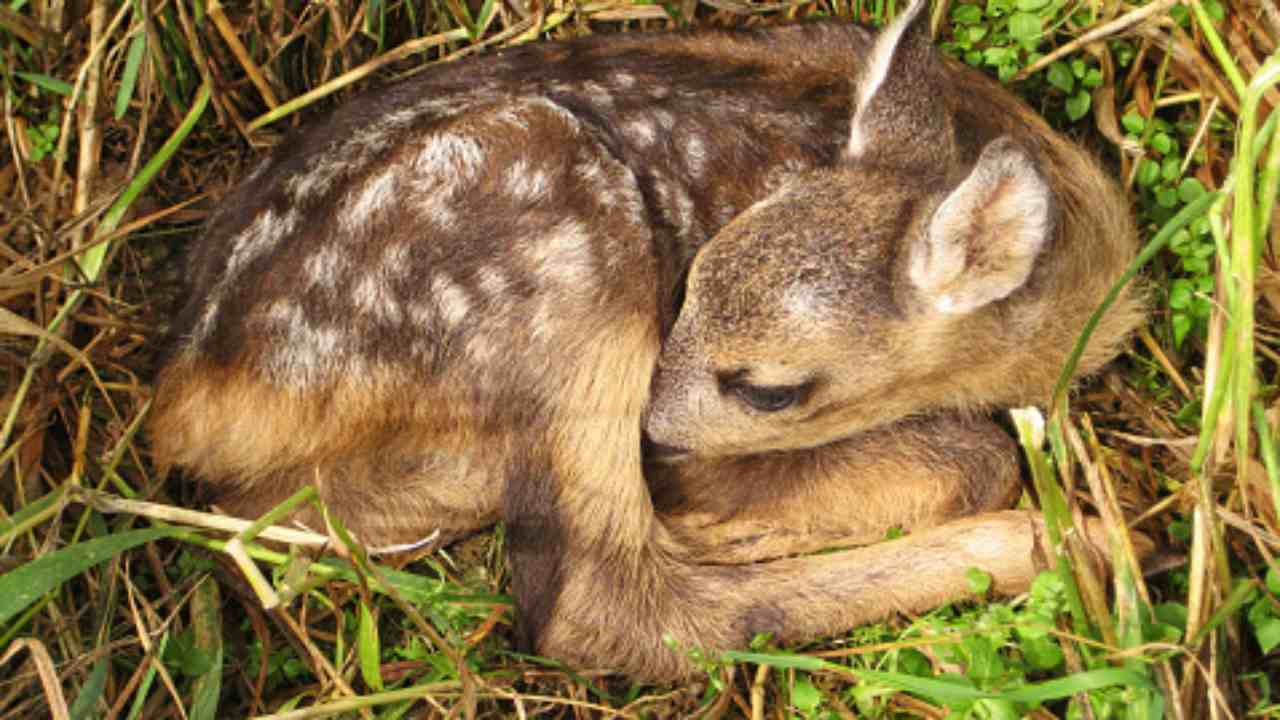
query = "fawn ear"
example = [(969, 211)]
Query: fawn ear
[(983, 240), (897, 112)]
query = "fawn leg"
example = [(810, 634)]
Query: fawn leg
[(912, 475), (601, 580), (386, 500)]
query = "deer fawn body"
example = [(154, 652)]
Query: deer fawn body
[(455, 301)]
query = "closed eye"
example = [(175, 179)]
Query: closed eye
[(763, 398), (769, 398)]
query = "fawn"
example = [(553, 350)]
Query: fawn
[(463, 298)]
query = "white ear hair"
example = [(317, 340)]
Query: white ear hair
[(877, 69), (982, 242)]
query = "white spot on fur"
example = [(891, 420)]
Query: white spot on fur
[(564, 254), (801, 301), (396, 260), (695, 154), (364, 204), (450, 299), (437, 209), (599, 94), (624, 80), (421, 313), (261, 235), (257, 239), (373, 296), (524, 183), (641, 132), (446, 155), (675, 201), (305, 354), (325, 267), (316, 179), (513, 117), (492, 282)]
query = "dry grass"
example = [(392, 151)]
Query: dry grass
[(97, 196)]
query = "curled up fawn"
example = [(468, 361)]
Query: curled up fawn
[(677, 309)]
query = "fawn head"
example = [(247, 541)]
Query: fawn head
[(814, 313)]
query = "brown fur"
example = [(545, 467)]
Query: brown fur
[(445, 303)]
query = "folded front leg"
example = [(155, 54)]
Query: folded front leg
[(908, 476)]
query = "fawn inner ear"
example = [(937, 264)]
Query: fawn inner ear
[(982, 242)]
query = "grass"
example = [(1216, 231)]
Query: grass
[(117, 602)]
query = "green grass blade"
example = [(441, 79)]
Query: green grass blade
[(25, 584), (144, 687), (781, 660), (31, 515), (1077, 683), (369, 649), (1184, 217), (82, 708), (45, 82), (206, 620), (129, 80)]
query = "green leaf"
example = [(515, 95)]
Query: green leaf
[(1060, 77), (996, 8), (1032, 5), (979, 581), (1171, 168), (997, 56), (1078, 105), (1166, 196), (1190, 189), (25, 584), (1148, 172), (45, 82), (1042, 653), (1092, 79), (1272, 579), (1133, 123), (1162, 143), (805, 697), (1268, 634), (1181, 326), (182, 653), (1180, 294), (369, 648), (1025, 28), (129, 80), (966, 14)]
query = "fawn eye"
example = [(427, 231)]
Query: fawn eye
[(767, 398)]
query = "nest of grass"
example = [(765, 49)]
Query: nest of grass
[(125, 122)]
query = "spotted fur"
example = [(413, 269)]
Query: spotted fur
[(445, 304)]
